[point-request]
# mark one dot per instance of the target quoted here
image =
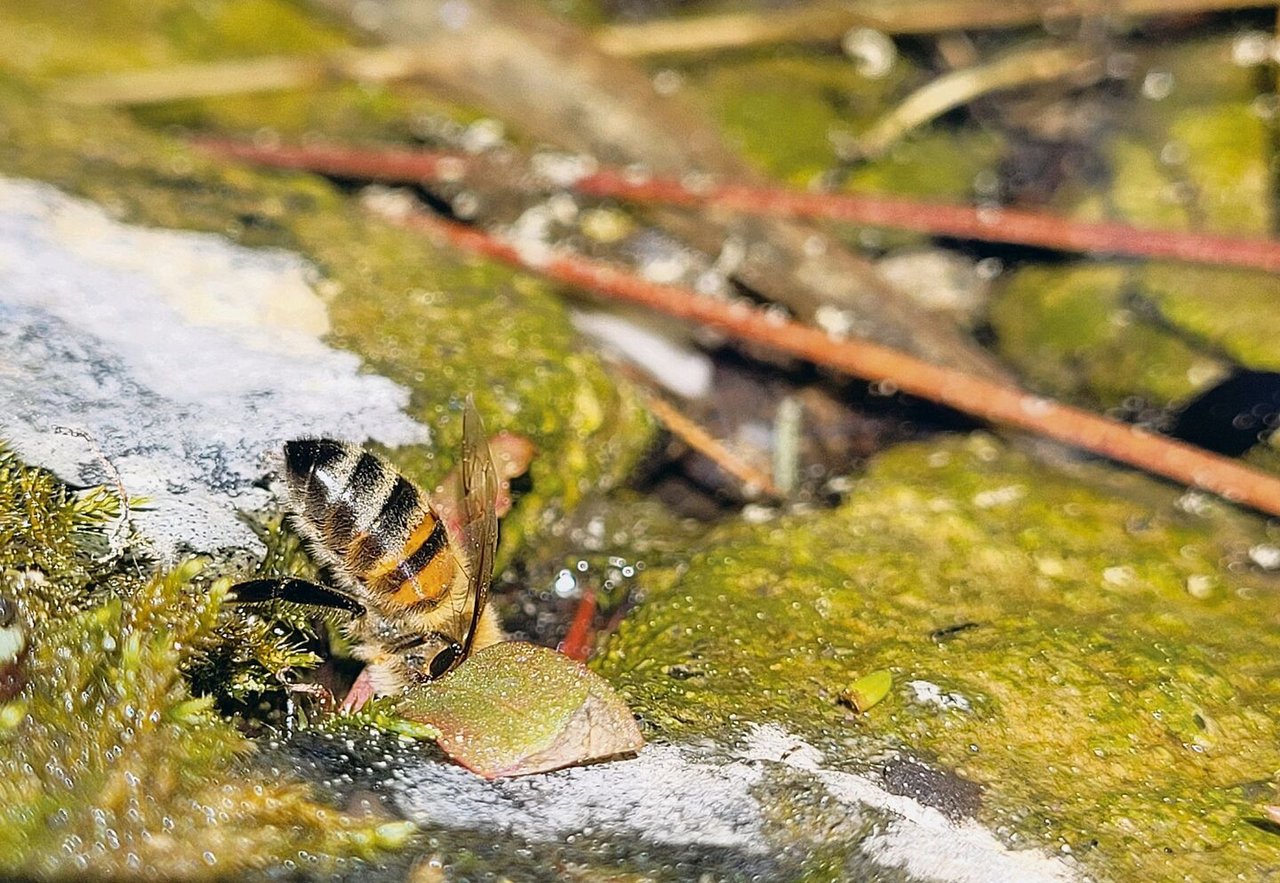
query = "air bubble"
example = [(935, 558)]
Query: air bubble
[(1157, 85)]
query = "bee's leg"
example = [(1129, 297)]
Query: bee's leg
[(322, 694), (294, 688), (361, 692), (292, 590), (319, 691)]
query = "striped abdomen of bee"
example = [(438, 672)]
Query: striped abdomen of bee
[(414, 572), (372, 526)]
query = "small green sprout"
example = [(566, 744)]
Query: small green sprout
[(867, 690)]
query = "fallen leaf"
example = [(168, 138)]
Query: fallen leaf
[(514, 708)]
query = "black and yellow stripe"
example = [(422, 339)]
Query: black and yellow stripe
[(421, 572), (371, 522)]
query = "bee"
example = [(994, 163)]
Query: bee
[(413, 573)]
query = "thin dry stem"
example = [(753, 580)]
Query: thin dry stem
[(578, 640), (955, 89), (754, 480), (271, 73), (829, 22), (818, 23)]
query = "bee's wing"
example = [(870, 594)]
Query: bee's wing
[(478, 515)]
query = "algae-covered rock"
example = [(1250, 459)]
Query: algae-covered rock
[(1220, 157), (1098, 657), (1161, 331), (113, 37), (782, 112), (789, 114), (1080, 333), (1224, 310), (1205, 67)]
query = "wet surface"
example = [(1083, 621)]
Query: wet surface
[(940, 789), (674, 811)]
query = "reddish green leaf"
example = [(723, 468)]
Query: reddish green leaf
[(515, 708)]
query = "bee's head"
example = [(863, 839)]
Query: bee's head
[(426, 657)]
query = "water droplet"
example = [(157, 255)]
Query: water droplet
[(1265, 556), (1157, 85), (667, 82), (873, 52), (1251, 48)]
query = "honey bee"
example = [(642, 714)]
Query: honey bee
[(413, 575)]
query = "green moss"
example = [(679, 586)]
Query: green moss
[(1221, 184), (1204, 74), (1163, 331), (64, 38), (110, 36), (108, 766), (934, 163), (1143, 190), (783, 113), (1220, 181), (198, 32), (1118, 683), (1072, 333), (1228, 150), (1265, 456), (1228, 310), (1196, 160), (1226, 171)]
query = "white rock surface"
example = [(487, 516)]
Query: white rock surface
[(187, 359), (708, 796)]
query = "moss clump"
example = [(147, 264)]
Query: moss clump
[(1163, 331), (1225, 181), (786, 112), (109, 767), (1080, 333), (1114, 688), (782, 111), (110, 37), (1196, 160), (1226, 310)]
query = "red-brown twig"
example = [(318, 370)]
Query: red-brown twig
[(578, 640), (981, 398), (994, 224)]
